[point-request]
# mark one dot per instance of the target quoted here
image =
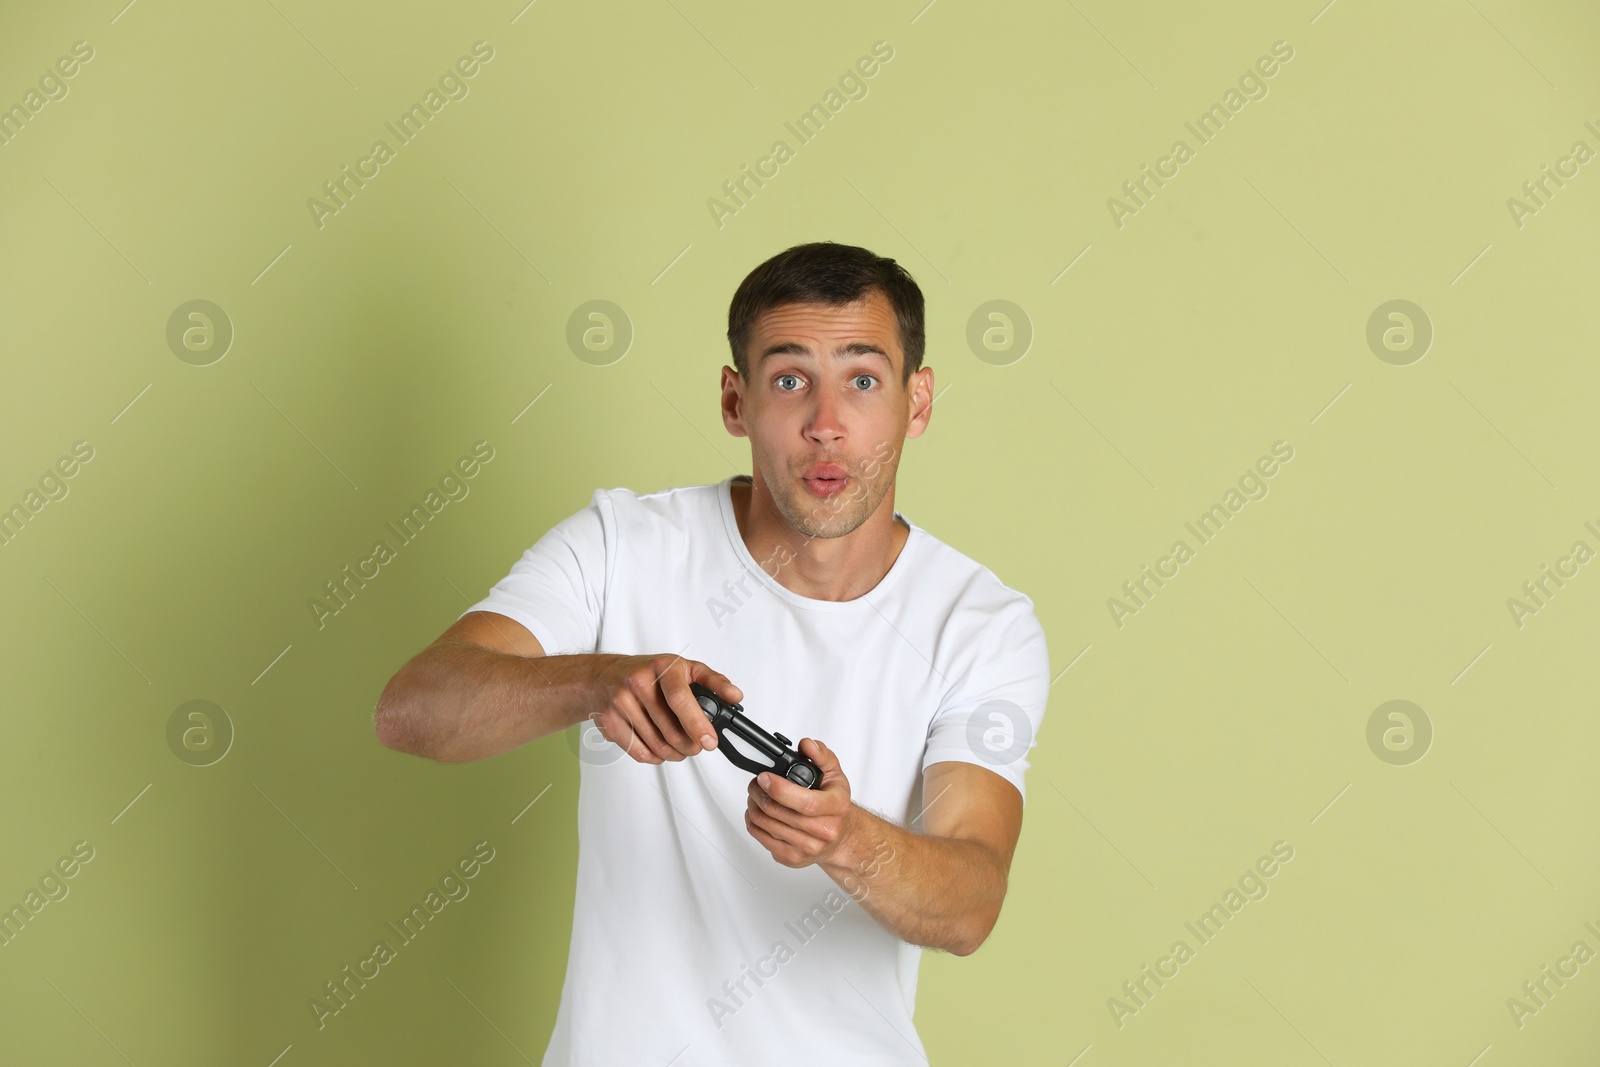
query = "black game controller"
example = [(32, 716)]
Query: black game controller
[(786, 761)]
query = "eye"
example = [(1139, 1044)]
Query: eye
[(779, 379), (866, 377)]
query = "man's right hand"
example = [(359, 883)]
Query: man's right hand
[(645, 706), (486, 686)]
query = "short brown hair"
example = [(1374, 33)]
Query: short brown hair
[(824, 272)]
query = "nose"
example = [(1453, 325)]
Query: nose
[(824, 426)]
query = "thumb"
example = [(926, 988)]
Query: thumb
[(821, 755)]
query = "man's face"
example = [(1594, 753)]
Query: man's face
[(824, 389)]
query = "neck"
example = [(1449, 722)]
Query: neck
[(821, 568)]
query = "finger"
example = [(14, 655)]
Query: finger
[(767, 841), (795, 797), (645, 730), (665, 720), (631, 743), (833, 780), (663, 725), (639, 750), (823, 757), (682, 703), (777, 810), (642, 730), (719, 682), (798, 840), (820, 754)]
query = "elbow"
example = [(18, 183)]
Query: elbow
[(399, 731), (977, 933), (394, 728), (388, 725), (981, 919), (970, 944)]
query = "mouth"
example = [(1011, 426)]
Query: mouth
[(825, 479)]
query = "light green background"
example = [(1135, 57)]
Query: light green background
[(1227, 314)]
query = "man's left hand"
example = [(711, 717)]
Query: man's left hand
[(801, 826)]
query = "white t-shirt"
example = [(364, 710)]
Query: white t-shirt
[(691, 945)]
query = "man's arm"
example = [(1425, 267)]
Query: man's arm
[(485, 686), (941, 888)]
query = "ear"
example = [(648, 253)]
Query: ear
[(733, 402), (921, 387)]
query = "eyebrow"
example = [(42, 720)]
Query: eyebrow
[(854, 348)]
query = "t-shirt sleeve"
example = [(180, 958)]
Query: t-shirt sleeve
[(992, 714), (557, 589)]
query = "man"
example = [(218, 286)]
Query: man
[(704, 935)]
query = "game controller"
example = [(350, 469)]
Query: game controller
[(786, 761)]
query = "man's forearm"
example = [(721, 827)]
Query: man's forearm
[(940, 892), (456, 702)]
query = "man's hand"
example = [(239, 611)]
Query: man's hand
[(942, 888), (801, 826), (646, 707)]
